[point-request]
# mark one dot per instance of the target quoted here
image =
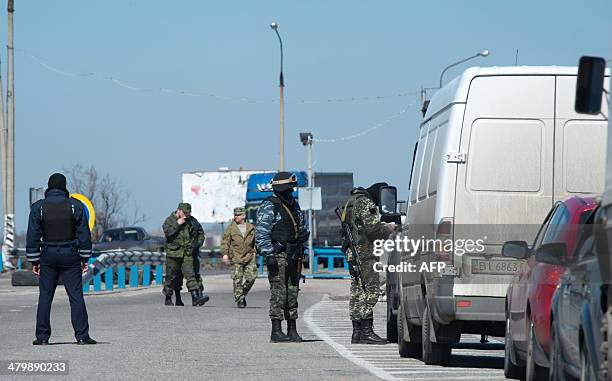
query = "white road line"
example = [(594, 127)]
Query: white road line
[(378, 372), (329, 321)]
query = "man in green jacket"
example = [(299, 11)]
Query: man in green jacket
[(238, 249), (184, 235)]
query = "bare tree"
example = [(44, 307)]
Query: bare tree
[(109, 198)]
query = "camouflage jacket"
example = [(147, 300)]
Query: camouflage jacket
[(182, 240), (266, 221), (240, 249), (365, 223)]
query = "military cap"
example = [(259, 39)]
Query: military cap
[(184, 206), (239, 211)]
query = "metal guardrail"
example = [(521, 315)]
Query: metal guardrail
[(324, 253), (124, 263)]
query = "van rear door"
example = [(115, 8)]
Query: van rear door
[(580, 145), (505, 184)]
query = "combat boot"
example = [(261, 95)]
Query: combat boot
[(168, 301), (179, 301), (197, 299), (356, 332), (368, 336), (292, 332), (277, 335)]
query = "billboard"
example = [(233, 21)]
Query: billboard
[(213, 195)]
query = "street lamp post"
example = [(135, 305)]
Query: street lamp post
[(281, 85), (484, 53)]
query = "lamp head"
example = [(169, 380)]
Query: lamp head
[(306, 138), (274, 26), (484, 53)]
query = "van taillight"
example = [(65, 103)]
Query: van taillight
[(444, 231), (445, 227), (464, 303)]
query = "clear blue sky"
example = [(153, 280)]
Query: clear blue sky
[(334, 49)]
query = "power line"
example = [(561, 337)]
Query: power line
[(368, 130), (130, 85)]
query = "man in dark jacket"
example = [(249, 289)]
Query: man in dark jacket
[(59, 244)]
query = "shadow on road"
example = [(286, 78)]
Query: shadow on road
[(467, 361), (481, 346)]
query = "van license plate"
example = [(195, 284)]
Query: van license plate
[(495, 266)]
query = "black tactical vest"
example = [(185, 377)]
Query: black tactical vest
[(288, 229), (58, 221)]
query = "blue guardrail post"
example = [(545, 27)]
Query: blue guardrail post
[(108, 279), (159, 274), (134, 276), (146, 275), (121, 277)]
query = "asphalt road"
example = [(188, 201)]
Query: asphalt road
[(141, 338)]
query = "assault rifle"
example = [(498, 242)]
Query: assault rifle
[(346, 230)]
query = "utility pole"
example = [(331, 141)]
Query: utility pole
[(5, 258), (9, 213)]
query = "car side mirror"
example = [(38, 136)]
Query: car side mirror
[(590, 85), (515, 249), (552, 253)]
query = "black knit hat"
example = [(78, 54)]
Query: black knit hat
[(57, 181)]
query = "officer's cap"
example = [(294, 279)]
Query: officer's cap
[(239, 211)]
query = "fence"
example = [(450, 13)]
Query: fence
[(328, 254), (138, 267)]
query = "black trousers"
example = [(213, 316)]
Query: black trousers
[(64, 261)]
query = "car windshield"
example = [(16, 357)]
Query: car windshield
[(121, 235)]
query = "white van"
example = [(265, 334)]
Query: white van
[(496, 148)]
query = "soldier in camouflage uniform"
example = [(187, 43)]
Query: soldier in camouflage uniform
[(238, 250), (280, 234), (183, 234), (362, 214)]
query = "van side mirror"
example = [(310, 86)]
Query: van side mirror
[(589, 85), (515, 249), (388, 205), (552, 253), (388, 200)]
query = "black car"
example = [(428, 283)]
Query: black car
[(128, 238), (577, 310)]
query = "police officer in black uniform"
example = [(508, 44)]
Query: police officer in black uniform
[(59, 244)]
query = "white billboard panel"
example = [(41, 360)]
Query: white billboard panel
[(214, 195)]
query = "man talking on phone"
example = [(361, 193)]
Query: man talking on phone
[(59, 244)]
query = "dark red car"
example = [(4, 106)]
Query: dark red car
[(529, 296)]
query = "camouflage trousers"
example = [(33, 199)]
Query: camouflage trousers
[(244, 276), (362, 302), (283, 292), (176, 268)]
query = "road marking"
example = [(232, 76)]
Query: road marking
[(15, 311), (329, 320)]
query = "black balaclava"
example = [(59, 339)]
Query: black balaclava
[(286, 196), (374, 191)]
